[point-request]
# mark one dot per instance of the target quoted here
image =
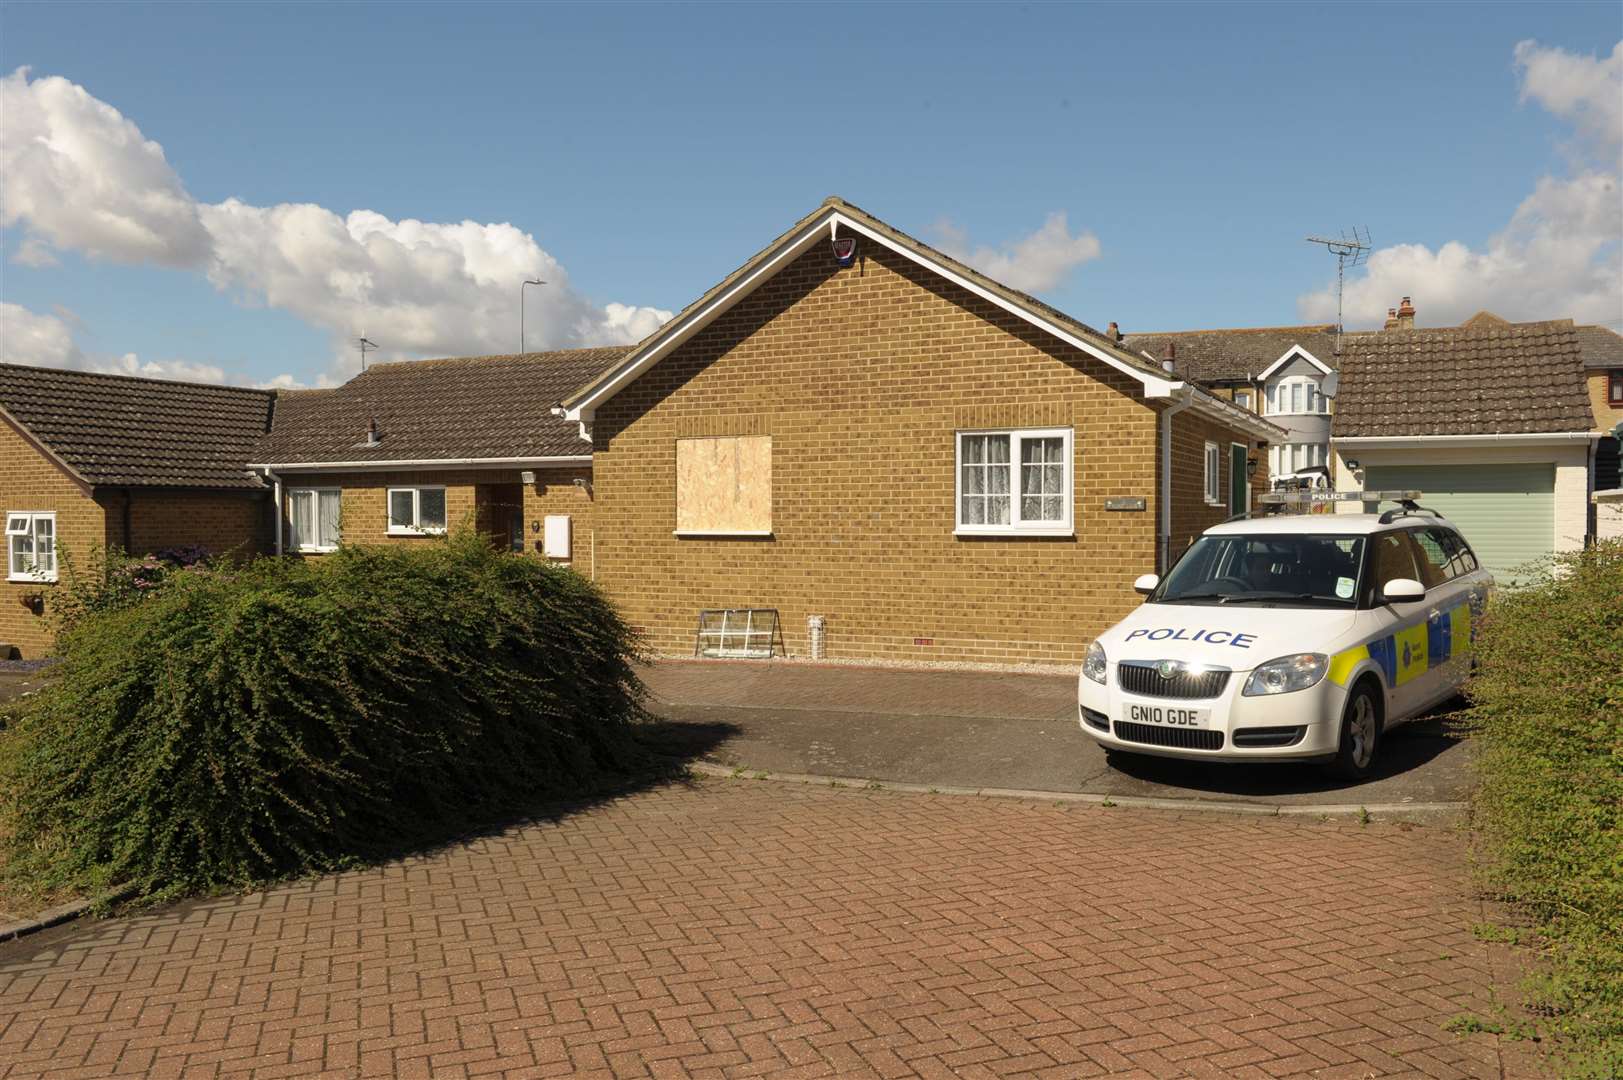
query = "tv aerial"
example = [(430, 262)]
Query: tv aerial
[(1351, 249)]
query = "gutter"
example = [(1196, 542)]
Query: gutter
[(424, 463), (1511, 438), (1187, 398)]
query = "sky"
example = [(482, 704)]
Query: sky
[(234, 192)]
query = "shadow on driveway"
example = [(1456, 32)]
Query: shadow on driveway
[(998, 730)]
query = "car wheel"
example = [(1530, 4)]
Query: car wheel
[(1360, 735)]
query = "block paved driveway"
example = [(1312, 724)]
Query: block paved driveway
[(748, 928)]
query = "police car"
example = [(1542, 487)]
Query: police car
[(1290, 637)]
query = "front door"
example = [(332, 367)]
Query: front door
[(1239, 482)]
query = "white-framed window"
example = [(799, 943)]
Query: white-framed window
[(416, 511), (31, 545), (1014, 482), (312, 517), (1287, 458), (1242, 398), (1297, 394), (1214, 474)]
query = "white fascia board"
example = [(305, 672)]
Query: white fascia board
[(811, 234), (426, 463), (1216, 407), (1290, 352), (1405, 442)]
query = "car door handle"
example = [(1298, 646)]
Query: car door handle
[(1433, 614)]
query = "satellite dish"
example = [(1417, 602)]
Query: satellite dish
[(1330, 383)]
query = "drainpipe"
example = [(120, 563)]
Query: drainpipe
[(276, 514), (1164, 555)]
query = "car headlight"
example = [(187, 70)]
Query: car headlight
[(1287, 674), (1093, 665)]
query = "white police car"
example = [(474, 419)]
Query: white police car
[(1296, 637)]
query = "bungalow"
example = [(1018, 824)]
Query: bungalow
[(869, 438), (404, 451), (107, 462), (1491, 419)]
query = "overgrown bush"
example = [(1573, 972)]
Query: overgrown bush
[(1548, 715), (282, 717), (111, 579)]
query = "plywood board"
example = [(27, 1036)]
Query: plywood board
[(724, 485)]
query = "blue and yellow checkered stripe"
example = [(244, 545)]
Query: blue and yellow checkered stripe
[(1410, 652)]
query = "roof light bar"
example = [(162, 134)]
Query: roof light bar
[(1295, 498)]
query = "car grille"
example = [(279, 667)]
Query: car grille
[(1143, 677), (1174, 738)]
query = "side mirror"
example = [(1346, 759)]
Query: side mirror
[(1146, 584), (1402, 590)]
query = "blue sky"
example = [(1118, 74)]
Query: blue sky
[(648, 149)]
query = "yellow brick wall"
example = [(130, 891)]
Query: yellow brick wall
[(364, 513), (1191, 513), (234, 525), (30, 481), (861, 377), (1607, 416)]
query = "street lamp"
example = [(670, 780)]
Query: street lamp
[(521, 288)]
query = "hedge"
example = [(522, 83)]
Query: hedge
[(239, 724), (1548, 813)]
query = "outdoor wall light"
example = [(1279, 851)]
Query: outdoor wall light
[(1250, 467)]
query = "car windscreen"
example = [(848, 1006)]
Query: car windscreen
[(1290, 569)]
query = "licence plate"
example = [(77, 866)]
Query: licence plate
[(1169, 716)]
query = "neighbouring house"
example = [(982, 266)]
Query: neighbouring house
[(111, 462), (1491, 420), (406, 451), (1277, 371), (855, 427), (1602, 351)]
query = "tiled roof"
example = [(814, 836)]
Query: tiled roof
[(1602, 348), (1462, 380), (120, 430), (434, 410), (1243, 353)]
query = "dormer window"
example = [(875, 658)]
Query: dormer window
[(1297, 394)]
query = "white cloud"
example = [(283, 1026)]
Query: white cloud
[(81, 176), (1034, 263), (28, 337), (1560, 255)]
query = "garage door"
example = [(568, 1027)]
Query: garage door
[(1506, 512)]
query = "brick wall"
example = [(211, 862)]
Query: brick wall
[(1191, 513), (478, 498), (30, 481), (225, 523), (1607, 416), (861, 377)]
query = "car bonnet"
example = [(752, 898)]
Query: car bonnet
[(1236, 637)]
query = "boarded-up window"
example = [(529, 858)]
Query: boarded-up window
[(724, 486)]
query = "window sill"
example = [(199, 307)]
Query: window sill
[(15, 579), (314, 550), (721, 534), (1014, 534), (415, 532), (1213, 502)]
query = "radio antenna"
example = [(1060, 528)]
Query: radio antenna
[(1351, 249), (365, 346)]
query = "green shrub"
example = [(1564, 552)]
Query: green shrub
[(1548, 715), (283, 717)]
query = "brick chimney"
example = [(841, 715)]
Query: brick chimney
[(1406, 315), (1169, 355), (1391, 319)]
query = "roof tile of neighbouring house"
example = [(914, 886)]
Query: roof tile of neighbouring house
[(1229, 355), (1602, 348), (457, 409), (1462, 380), (126, 431)]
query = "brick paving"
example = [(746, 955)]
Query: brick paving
[(739, 928)]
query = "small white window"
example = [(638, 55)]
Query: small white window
[(31, 545), (1014, 482), (1242, 398), (1297, 394), (416, 511), (312, 515), (1214, 477)]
